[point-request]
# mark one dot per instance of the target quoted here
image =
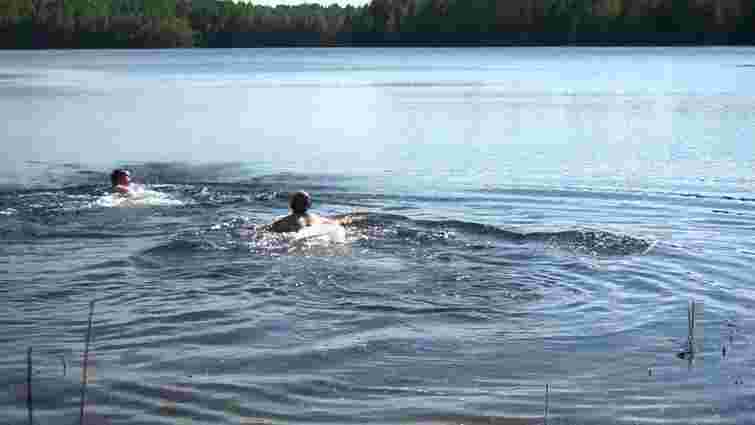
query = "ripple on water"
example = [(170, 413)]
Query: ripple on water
[(419, 319)]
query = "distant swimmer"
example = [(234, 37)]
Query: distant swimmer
[(300, 202), (120, 181)]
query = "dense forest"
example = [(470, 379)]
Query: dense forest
[(225, 23)]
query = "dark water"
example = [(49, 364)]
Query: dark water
[(534, 216)]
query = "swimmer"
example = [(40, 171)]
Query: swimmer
[(121, 184), (300, 202), (120, 181)]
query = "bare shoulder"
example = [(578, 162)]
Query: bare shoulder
[(285, 225)]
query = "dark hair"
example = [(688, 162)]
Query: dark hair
[(116, 174), (300, 202)]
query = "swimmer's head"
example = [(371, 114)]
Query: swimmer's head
[(300, 202), (120, 177)]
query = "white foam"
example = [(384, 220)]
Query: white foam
[(139, 198), (323, 236), (328, 233)]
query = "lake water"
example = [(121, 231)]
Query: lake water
[(534, 216)]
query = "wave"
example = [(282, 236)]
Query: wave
[(603, 193), (180, 246), (719, 197), (581, 240), (24, 232), (594, 242), (473, 420), (215, 183), (242, 182), (387, 230), (7, 76), (50, 175)]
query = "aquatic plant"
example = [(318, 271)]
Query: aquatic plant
[(29, 400), (694, 309), (84, 377), (547, 402), (691, 327)]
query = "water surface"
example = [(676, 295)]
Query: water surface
[(535, 216)]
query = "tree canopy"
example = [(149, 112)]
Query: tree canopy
[(226, 23)]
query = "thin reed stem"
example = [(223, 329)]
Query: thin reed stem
[(547, 402), (691, 317), (84, 377), (29, 399)]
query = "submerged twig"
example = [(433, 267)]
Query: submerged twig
[(84, 377), (29, 400)]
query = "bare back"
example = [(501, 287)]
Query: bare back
[(295, 222)]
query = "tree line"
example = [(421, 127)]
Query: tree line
[(226, 23)]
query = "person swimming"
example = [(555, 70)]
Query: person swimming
[(120, 181), (300, 202), (121, 184)]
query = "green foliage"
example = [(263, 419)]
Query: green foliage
[(87, 8), (126, 7), (746, 22), (174, 32), (166, 23), (159, 8), (15, 9), (232, 9)]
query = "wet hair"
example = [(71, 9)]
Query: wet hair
[(116, 175), (300, 202)]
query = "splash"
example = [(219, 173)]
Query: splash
[(321, 233), (139, 198), (323, 239)]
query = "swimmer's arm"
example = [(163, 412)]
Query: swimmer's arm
[(316, 219), (346, 219), (123, 190), (326, 220)]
